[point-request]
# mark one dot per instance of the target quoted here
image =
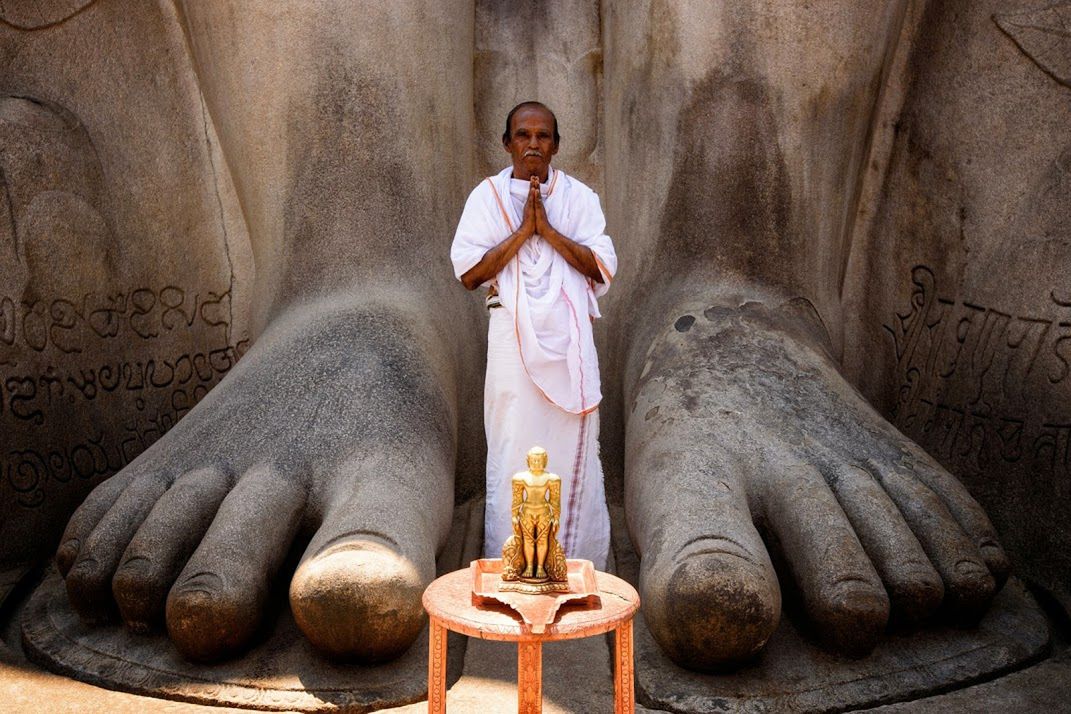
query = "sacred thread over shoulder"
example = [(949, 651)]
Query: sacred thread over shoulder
[(551, 303)]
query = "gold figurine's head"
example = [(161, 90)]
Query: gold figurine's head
[(537, 459)]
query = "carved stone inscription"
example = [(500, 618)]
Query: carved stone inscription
[(143, 313), (980, 386), (87, 385), (118, 279)]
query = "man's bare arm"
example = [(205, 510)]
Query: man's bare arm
[(579, 256), (495, 259), (535, 221)]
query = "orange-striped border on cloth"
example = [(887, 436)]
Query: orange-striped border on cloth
[(516, 298)]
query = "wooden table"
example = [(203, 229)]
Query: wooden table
[(448, 601)]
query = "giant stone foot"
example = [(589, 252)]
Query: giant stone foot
[(334, 425), (743, 435)]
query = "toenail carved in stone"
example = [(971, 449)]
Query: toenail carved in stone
[(135, 564), (715, 313), (84, 568), (139, 593), (971, 568), (66, 555), (208, 622), (714, 545), (360, 539), (919, 575), (850, 582), (712, 610), (359, 600), (203, 582)]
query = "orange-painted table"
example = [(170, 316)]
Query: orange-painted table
[(448, 601)]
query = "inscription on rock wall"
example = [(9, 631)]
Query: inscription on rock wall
[(980, 386), (87, 385), (140, 314)]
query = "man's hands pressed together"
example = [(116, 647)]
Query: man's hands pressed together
[(529, 222), (579, 256), (495, 259), (533, 222)]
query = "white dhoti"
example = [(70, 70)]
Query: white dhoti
[(543, 386), (517, 417)]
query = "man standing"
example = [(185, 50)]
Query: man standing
[(535, 237)]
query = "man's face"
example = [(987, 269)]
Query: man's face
[(531, 142)]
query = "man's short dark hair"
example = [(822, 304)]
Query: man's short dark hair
[(509, 120)]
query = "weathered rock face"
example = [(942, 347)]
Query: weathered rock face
[(960, 299), (549, 51), (125, 274), (736, 145), (744, 444), (735, 137)]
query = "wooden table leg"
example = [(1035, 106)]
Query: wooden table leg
[(529, 677), (624, 692), (436, 667)]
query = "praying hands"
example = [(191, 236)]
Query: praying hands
[(579, 256), (533, 222)]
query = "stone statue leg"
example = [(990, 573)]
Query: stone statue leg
[(744, 441), (340, 424)]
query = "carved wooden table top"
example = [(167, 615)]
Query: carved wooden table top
[(449, 599), (449, 603)]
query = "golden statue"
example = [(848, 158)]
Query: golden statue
[(532, 559)]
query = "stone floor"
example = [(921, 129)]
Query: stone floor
[(577, 678)]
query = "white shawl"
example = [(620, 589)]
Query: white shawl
[(552, 304)]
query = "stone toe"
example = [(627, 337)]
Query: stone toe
[(208, 622), (141, 594), (359, 601), (969, 588), (852, 615), (711, 610), (89, 592)]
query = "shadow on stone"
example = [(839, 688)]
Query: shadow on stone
[(795, 674), (282, 673)]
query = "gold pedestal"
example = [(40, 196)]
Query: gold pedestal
[(533, 587)]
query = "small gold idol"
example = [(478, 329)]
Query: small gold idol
[(532, 559)]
